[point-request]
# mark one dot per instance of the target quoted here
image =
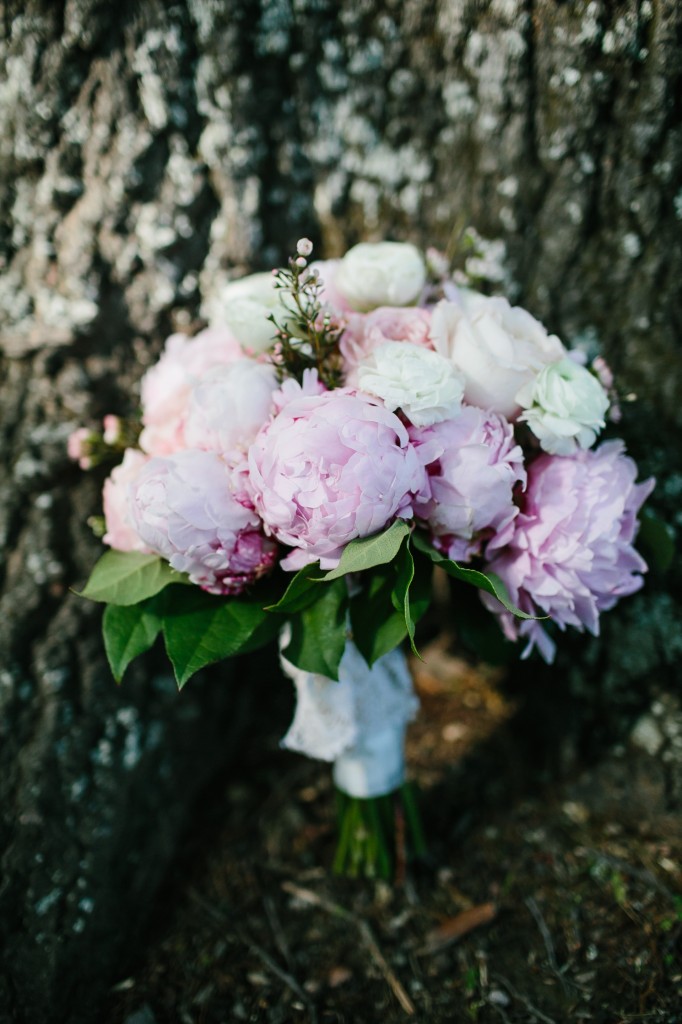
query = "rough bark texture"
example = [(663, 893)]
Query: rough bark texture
[(148, 152)]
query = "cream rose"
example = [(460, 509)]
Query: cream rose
[(565, 407), (422, 383), (244, 307), (497, 347), (380, 274)]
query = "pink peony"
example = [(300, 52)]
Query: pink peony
[(473, 466), (329, 468), (229, 405), (184, 507), (165, 388), (365, 332), (571, 555), (121, 533)]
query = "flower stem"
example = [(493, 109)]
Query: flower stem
[(378, 836)]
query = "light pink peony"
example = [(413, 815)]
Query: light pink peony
[(365, 332), (229, 405), (572, 555), (185, 509), (329, 468), (473, 465), (121, 533), (165, 388)]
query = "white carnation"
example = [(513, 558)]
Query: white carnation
[(244, 307), (381, 274), (496, 347), (229, 405), (422, 383), (565, 407)]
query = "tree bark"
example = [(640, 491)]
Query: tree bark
[(149, 152)]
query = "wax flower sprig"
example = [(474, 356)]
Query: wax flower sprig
[(307, 335)]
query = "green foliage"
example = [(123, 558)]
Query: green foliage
[(658, 538), (388, 591), (366, 552), (318, 633), (491, 583), (129, 631), (200, 629), (128, 577)]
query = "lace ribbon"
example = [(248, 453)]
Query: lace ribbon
[(358, 722)]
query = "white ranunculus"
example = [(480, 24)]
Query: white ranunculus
[(381, 274), (425, 385), (497, 347), (244, 307), (229, 405), (564, 407)]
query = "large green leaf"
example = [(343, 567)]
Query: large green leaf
[(658, 538), (318, 633), (378, 612), (129, 631), (301, 592), (366, 552), (377, 626), (128, 577), (489, 582), (200, 629)]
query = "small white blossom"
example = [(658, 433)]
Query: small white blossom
[(422, 383), (565, 407), (304, 247)]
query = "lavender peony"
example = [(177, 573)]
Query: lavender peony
[(473, 466), (184, 508), (572, 555), (329, 468)]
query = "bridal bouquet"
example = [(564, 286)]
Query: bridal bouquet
[(303, 464)]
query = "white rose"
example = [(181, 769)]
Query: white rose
[(381, 274), (244, 306), (422, 383), (565, 407), (229, 405), (497, 347)]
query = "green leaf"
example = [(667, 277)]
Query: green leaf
[(318, 633), (366, 552), (200, 629), (377, 626), (401, 592), (128, 577), (491, 583), (301, 592), (658, 538), (129, 631)]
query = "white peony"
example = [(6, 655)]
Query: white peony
[(564, 407), (425, 385), (244, 307), (497, 347), (381, 274), (229, 405)]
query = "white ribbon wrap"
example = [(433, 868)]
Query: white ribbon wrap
[(358, 722)]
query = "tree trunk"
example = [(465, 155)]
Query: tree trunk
[(147, 153)]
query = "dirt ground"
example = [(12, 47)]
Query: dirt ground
[(540, 902)]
